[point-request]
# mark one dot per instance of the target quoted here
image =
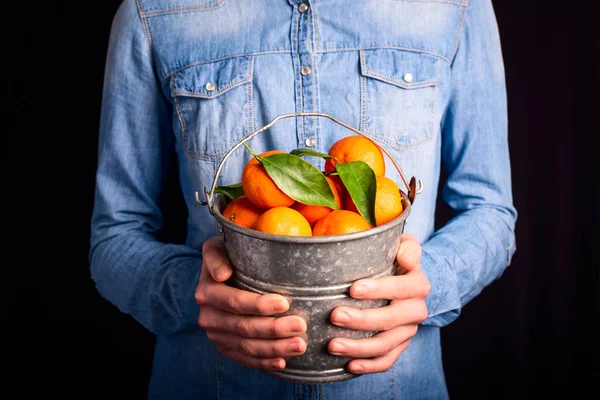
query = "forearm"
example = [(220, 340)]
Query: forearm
[(151, 281), (464, 257)]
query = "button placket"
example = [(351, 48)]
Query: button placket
[(307, 80)]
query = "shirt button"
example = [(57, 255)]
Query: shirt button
[(311, 142), (306, 71), (302, 7), (407, 77), (210, 86)]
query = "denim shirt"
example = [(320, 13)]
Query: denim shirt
[(187, 79)]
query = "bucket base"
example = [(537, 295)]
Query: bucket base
[(313, 377)]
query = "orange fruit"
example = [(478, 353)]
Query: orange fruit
[(339, 222), (356, 148), (388, 201), (283, 221), (314, 213), (242, 212), (260, 188)]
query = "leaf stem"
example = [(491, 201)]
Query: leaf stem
[(258, 158)]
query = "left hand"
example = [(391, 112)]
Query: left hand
[(396, 323)]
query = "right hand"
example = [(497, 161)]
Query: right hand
[(241, 323)]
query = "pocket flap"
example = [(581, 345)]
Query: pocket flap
[(405, 69), (212, 79)]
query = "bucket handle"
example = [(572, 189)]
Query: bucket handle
[(410, 186)]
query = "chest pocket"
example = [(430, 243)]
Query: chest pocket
[(213, 102), (399, 93)]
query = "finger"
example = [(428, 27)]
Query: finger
[(215, 259), (375, 346), (409, 254), (233, 300), (403, 312), (411, 284), (377, 364), (263, 364), (251, 326), (262, 348)]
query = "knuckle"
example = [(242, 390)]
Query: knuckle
[(244, 328), (245, 347), (386, 366), (425, 287), (203, 320), (422, 312), (234, 303), (200, 297)]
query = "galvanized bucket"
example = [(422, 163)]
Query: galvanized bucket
[(313, 273)]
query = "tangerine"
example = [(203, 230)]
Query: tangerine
[(283, 221), (313, 213), (242, 211), (388, 201), (260, 188), (339, 222), (356, 148)]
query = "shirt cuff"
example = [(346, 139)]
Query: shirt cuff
[(442, 306), (184, 282)]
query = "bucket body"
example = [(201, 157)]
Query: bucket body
[(314, 274)]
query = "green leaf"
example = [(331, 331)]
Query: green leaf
[(304, 152), (361, 183), (231, 191), (299, 179)]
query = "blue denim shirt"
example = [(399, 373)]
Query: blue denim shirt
[(190, 78)]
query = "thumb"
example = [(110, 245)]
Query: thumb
[(409, 254), (215, 260)]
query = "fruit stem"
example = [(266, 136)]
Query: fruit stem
[(258, 158)]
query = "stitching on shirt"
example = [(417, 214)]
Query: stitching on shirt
[(145, 26), (194, 64), (433, 101), (363, 95), (302, 133), (250, 97), (180, 10), (396, 82), (173, 282), (334, 49), (317, 29), (229, 86), (458, 32), (314, 77)]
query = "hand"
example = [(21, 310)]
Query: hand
[(239, 322), (397, 322)]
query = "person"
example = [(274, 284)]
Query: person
[(187, 79)]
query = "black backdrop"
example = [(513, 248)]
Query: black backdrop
[(532, 333)]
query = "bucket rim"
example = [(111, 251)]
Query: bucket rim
[(346, 237)]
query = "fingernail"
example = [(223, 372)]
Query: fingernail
[(221, 273), (356, 368), (280, 305), (341, 318), (298, 327), (296, 347), (338, 348), (277, 364)]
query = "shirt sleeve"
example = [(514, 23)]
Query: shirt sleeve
[(474, 248), (154, 282)]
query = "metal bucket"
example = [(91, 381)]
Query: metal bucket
[(313, 273)]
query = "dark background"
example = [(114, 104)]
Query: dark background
[(533, 333)]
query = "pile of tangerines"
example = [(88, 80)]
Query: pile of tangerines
[(284, 195)]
